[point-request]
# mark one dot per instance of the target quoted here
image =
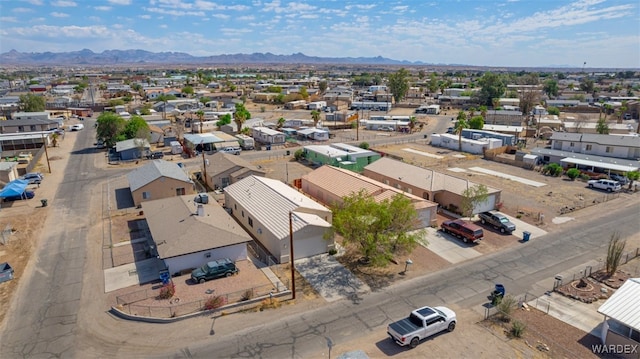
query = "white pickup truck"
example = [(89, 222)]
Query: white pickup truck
[(422, 323)]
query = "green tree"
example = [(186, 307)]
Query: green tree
[(241, 115), (433, 83), (280, 122), (364, 145), (587, 85), (224, 120), (476, 122), (108, 127), (399, 84), (472, 197), (188, 90), (551, 88), (573, 173), (553, 110), (461, 124), (136, 127), (421, 75), (315, 115), (322, 86), (379, 230), (633, 176), (602, 127), (200, 115), (32, 103), (304, 93), (492, 86), (483, 112)]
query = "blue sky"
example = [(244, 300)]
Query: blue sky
[(482, 32)]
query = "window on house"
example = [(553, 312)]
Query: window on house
[(235, 206), (250, 222), (180, 192), (570, 144), (242, 214), (146, 195), (589, 147), (20, 128), (408, 190), (609, 149), (33, 128)]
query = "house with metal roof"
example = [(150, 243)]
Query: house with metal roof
[(159, 179), (340, 155), (201, 141), (618, 146), (187, 235), (132, 149), (268, 136), (444, 189), (28, 125), (224, 169), (621, 325), (276, 214), (329, 185)]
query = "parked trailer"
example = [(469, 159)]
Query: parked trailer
[(371, 105), (318, 105)]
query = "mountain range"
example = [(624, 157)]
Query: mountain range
[(121, 57)]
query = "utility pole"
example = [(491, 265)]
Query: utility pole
[(46, 153), (293, 271), (204, 165)]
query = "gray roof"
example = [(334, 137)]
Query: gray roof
[(607, 140), (28, 122), (131, 143), (623, 304), (154, 170), (221, 162), (270, 202), (177, 229)]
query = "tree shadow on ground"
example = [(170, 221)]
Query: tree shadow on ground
[(375, 277)]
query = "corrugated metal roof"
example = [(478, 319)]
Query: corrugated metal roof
[(624, 304), (154, 170), (177, 229), (270, 202), (132, 143), (422, 177)]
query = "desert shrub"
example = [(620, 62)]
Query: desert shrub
[(506, 307), (167, 291), (584, 177), (517, 328), (299, 154), (215, 302), (364, 145), (332, 252), (248, 294), (552, 169), (573, 173), (269, 303)]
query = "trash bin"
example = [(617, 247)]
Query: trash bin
[(497, 294), (44, 202), (526, 236), (288, 153), (425, 136)]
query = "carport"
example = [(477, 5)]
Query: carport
[(592, 165), (14, 188)]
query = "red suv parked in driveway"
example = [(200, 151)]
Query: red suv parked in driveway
[(464, 230)]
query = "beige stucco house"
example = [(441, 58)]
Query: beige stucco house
[(224, 169), (159, 179)]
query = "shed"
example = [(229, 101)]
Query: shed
[(132, 149), (621, 325)]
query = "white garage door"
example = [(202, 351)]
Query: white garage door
[(487, 205)]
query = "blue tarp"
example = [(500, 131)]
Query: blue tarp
[(14, 188)]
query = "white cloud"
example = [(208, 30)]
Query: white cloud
[(246, 18), (120, 2), (21, 9), (103, 8), (35, 2), (146, 17), (175, 12), (63, 3), (164, 26), (402, 8), (8, 19), (221, 16), (59, 14), (360, 7)]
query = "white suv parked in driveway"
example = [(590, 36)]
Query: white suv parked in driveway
[(605, 184)]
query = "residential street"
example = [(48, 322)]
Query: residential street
[(59, 309)]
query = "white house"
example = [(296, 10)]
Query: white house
[(619, 146), (621, 325), (468, 145), (268, 136), (266, 208)]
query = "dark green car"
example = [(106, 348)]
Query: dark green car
[(214, 269)]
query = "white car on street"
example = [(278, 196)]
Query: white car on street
[(77, 127)]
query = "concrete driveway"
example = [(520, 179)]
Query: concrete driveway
[(132, 274), (522, 226), (573, 312), (330, 278), (448, 247)]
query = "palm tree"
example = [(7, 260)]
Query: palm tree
[(483, 112), (315, 115), (412, 123), (239, 117), (281, 122), (200, 115), (472, 112), (461, 124)]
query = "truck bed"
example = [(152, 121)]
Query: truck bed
[(403, 327)]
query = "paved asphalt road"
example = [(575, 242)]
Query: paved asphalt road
[(58, 313), (467, 285)]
